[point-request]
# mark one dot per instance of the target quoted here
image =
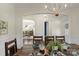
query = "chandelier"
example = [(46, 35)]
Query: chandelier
[(56, 9)]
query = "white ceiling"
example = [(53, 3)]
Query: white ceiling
[(41, 5), (33, 8)]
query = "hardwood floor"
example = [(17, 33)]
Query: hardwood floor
[(26, 50)]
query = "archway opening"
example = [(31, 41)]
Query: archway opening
[(28, 31)]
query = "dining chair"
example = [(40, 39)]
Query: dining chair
[(11, 49), (60, 39), (48, 39), (38, 39)]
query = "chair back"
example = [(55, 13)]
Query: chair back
[(10, 48), (37, 39), (61, 39), (48, 38)]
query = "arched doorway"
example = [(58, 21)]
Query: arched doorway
[(28, 31)]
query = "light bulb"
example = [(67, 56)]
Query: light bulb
[(45, 6), (65, 5), (54, 9)]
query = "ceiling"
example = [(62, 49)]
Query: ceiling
[(33, 8), (41, 5)]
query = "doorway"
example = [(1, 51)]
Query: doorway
[(28, 31), (45, 28)]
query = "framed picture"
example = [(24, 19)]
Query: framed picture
[(3, 27)]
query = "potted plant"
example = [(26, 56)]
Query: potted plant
[(54, 46)]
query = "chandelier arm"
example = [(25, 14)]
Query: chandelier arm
[(57, 9)]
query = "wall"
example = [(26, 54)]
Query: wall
[(55, 24), (18, 28), (73, 14), (7, 14)]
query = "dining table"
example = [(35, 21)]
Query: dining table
[(67, 50)]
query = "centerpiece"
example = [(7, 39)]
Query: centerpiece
[(54, 47)]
